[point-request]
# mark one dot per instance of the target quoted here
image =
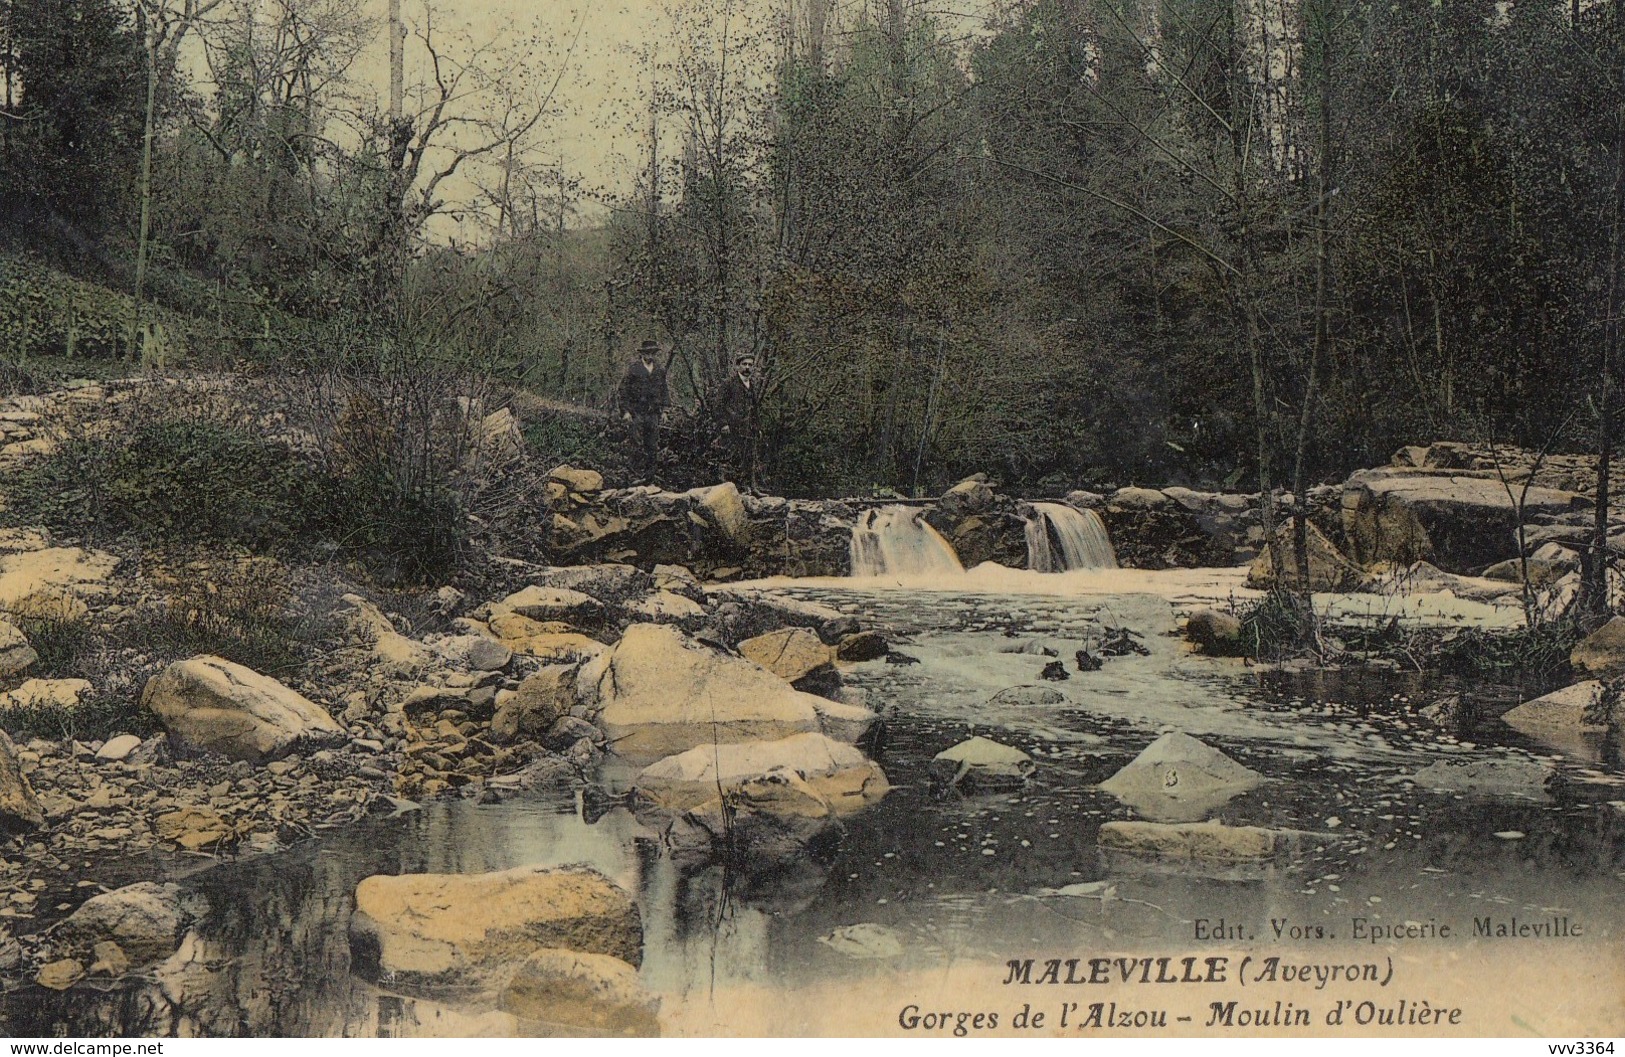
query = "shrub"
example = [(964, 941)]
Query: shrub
[(407, 533), (61, 642), (1535, 657), (97, 716), (185, 481), (243, 611), (1274, 626), (174, 480), (46, 313)]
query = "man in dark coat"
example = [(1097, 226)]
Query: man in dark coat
[(736, 419), (642, 398)]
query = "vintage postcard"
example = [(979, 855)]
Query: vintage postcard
[(1087, 519)]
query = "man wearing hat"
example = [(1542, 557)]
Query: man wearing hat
[(736, 415), (642, 399)]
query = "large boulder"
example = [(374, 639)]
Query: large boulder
[(569, 992), (20, 809), (970, 496), (1459, 522), (1179, 779), (662, 693), (542, 699), (146, 920), (424, 932), (1601, 654), (722, 508), (839, 776), (789, 653), (980, 764), (1329, 570), (210, 703), (1203, 841), (1571, 720)]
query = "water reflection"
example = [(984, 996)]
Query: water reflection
[(955, 878)]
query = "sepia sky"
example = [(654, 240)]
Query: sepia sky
[(596, 128)]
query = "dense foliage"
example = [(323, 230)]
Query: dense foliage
[(1099, 242)]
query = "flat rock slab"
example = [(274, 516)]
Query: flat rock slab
[(1180, 779), (55, 568), (1520, 779), (426, 932), (1205, 841), (982, 764), (1456, 521), (1566, 720), (553, 603), (838, 774)]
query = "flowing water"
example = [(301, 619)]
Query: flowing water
[(1060, 539), (896, 541), (952, 882)]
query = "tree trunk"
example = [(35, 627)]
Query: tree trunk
[(150, 119), (1594, 587)]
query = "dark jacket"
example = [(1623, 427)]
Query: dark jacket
[(643, 390), (735, 404)]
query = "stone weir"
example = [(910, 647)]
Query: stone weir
[(721, 533), (1438, 510)]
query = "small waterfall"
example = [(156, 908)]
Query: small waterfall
[(1061, 538), (896, 541)]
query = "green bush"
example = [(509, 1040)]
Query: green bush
[(181, 482), (243, 611), (571, 439), (61, 643), (171, 480)]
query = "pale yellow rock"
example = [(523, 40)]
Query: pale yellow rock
[(55, 568), (788, 653), (422, 931), (1207, 841), (43, 693), (60, 975), (211, 703), (839, 774), (663, 693)]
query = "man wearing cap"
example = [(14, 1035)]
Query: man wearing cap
[(736, 415), (642, 399)]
